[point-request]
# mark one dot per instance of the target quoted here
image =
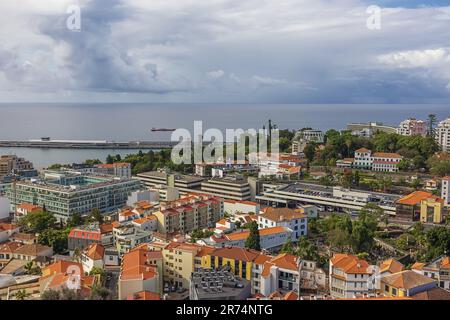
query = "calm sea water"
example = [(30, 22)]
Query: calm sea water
[(128, 122)]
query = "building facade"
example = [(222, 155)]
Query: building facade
[(412, 127), (443, 135)]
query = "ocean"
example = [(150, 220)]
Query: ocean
[(131, 122)]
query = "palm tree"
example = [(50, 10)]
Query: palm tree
[(29, 267), (21, 295)]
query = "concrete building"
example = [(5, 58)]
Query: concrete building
[(445, 190), (64, 193), (410, 206), (406, 284), (295, 220), (196, 211), (438, 270), (207, 284), (443, 135), (235, 207), (12, 163), (432, 210), (348, 276), (310, 135), (374, 127), (184, 183), (127, 237), (121, 170), (231, 187), (141, 270), (7, 230), (378, 161), (412, 127)]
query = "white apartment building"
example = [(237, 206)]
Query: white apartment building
[(378, 161), (445, 190), (349, 276), (230, 187), (412, 127), (234, 207), (443, 135), (118, 169), (295, 220)]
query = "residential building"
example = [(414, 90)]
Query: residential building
[(25, 209), (432, 210), (141, 270), (148, 223), (93, 257), (438, 270), (445, 191), (234, 187), (293, 219), (184, 183), (281, 273), (179, 263), (12, 163), (348, 276), (386, 267), (236, 207), (30, 252), (7, 230), (270, 238), (127, 237), (378, 161), (195, 211), (406, 284), (443, 135), (7, 250), (65, 193), (412, 127), (83, 236), (63, 266), (118, 169), (239, 261), (206, 284), (409, 207)]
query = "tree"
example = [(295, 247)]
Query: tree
[(96, 271), (100, 293), (96, 215), (21, 295), (38, 221), (288, 247), (362, 237), (31, 269), (431, 124), (310, 151), (253, 241), (109, 159), (92, 162), (306, 250), (75, 220), (55, 238), (50, 295)]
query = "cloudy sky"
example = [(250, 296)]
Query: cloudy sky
[(232, 51)]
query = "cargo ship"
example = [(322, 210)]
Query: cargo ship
[(162, 129)]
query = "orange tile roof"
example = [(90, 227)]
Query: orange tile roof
[(407, 279), (282, 214), (144, 295), (135, 265), (262, 232), (61, 266), (418, 266), (29, 207), (416, 197), (362, 150), (291, 295), (350, 264), (237, 253), (8, 226), (391, 265), (95, 251), (283, 261), (10, 247), (386, 155), (445, 263)]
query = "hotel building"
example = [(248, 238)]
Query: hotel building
[(230, 187), (184, 183), (443, 135), (412, 127), (64, 193)]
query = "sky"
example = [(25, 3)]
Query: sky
[(225, 51)]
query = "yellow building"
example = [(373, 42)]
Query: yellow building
[(406, 284), (240, 261), (179, 262), (431, 210)]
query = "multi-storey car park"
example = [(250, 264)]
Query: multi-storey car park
[(326, 198), (65, 193)]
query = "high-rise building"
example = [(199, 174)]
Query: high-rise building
[(443, 135), (12, 163), (445, 192), (412, 127)]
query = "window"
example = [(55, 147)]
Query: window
[(386, 288)]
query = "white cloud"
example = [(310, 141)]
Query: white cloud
[(415, 58), (216, 74)]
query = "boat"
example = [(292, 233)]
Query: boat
[(162, 129)]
